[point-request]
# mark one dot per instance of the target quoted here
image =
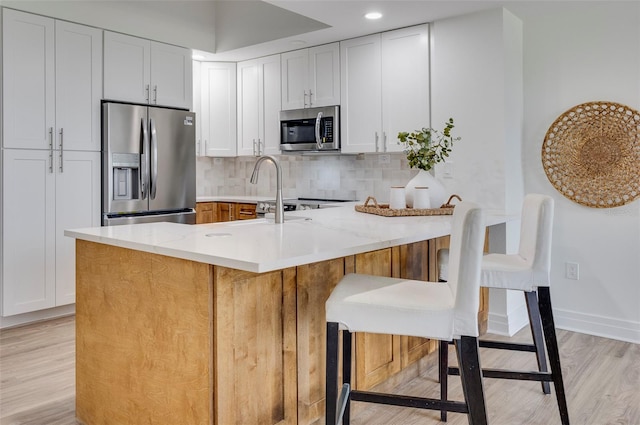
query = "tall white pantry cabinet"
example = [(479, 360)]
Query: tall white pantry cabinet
[(51, 91)]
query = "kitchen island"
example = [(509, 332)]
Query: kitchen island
[(224, 323)]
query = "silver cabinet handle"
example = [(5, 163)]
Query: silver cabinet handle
[(61, 149), (154, 160), (147, 89), (384, 141), (304, 99), (260, 147), (254, 148), (310, 100), (51, 149), (155, 94), (205, 147), (377, 149)]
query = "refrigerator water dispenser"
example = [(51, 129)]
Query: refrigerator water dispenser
[(126, 167)]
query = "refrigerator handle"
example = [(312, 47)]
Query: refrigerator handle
[(144, 149), (154, 159)]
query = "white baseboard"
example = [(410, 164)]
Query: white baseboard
[(607, 327), (509, 324), (37, 316)]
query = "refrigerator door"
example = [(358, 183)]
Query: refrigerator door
[(172, 161), (125, 145)]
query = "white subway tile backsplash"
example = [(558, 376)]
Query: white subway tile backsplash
[(331, 177)]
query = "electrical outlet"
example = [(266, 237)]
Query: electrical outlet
[(572, 270), (384, 159), (217, 161)]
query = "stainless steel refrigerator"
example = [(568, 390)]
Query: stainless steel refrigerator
[(148, 164)]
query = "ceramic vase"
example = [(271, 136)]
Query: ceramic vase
[(437, 192)]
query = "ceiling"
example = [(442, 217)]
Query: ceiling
[(249, 29), (235, 30)]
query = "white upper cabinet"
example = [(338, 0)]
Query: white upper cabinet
[(78, 86), (143, 71), (381, 95), (361, 109), (171, 75), (405, 84), (218, 109), (127, 68), (311, 77), (52, 83), (28, 83), (259, 104)]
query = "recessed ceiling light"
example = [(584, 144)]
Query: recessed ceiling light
[(373, 15)]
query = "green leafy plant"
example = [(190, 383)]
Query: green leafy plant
[(427, 147)]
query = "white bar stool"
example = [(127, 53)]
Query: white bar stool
[(526, 271), (446, 311)]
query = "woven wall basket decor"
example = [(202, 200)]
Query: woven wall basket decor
[(591, 154)]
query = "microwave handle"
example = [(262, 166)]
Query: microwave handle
[(318, 124)]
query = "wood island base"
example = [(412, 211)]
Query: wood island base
[(161, 340)]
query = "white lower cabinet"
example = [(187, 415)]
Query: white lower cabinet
[(44, 193)]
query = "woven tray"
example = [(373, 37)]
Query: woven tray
[(384, 210)]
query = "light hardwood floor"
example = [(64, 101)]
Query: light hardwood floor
[(602, 379)]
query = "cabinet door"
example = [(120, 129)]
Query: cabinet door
[(127, 68), (78, 86), (361, 107), (205, 212), (324, 75), (377, 355), (405, 89), (295, 75), (218, 118), (248, 107), (224, 211), (171, 76), (270, 102), (77, 206), (28, 89), (28, 239)]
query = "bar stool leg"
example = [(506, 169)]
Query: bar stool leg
[(331, 374), (549, 329), (471, 375), (536, 334), (346, 372), (443, 375)]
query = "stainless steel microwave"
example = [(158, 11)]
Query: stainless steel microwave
[(310, 130)]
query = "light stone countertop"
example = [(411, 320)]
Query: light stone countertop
[(260, 245)]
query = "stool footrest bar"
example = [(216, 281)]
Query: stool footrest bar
[(509, 374), (407, 401), (507, 346)]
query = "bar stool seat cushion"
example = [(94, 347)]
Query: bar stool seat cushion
[(364, 303), (511, 272)]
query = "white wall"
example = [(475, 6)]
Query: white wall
[(477, 80), (576, 52)]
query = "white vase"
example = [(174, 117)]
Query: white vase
[(437, 192)]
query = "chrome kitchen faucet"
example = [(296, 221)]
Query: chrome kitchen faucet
[(254, 180)]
